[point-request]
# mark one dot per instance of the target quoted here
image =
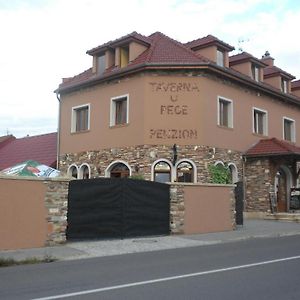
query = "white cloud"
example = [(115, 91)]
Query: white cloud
[(43, 41)]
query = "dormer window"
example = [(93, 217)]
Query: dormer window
[(255, 72), (100, 64), (284, 85), (124, 56), (220, 57)]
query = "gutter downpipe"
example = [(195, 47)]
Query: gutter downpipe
[(58, 132)]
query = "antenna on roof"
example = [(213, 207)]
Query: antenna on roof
[(240, 44), (267, 54)]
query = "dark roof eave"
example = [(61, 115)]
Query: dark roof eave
[(256, 85), (220, 70), (247, 59), (121, 73), (271, 155)]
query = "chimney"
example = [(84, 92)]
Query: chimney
[(268, 59)]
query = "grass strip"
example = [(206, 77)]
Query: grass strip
[(7, 262)]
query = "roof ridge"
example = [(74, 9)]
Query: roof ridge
[(181, 45), (133, 34), (36, 136)]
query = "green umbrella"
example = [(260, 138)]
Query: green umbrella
[(31, 168)]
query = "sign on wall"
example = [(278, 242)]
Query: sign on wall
[(174, 91)]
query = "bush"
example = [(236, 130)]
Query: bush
[(219, 174), (138, 177)]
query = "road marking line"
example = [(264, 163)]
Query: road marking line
[(133, 284)]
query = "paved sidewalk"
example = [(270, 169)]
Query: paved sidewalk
[(79, 250)]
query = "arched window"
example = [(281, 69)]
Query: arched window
[(73, 171), (185, 172), (234, 172), (162, 172), (84, 171), (219, 163), (119, 170)]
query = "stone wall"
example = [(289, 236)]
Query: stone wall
[(260, 179), (257, 185), (141, 158)]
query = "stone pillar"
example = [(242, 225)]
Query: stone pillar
[(258, 180), (177, 209), (56, 203)]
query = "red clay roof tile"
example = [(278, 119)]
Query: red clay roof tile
[(6, 139), (296, 84), (162, 51), (131, 36), (275, 71), (206, 41), (243, 57), (272, 147), (41, 148)]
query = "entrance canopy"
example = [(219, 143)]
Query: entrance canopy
[(277, 171), (273, 147)]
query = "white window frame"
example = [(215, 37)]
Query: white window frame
[(69, 173), (219, 162), (234, 172), (284, 85), (220, 57), (265, 121), (191, 163), (293, 128), (80, 176), (101, 61), (74, 114), (172, 169), (115, 162), (255, 72), (113, 101), (230, 111)]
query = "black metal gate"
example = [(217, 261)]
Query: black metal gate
[(117, 208), (239, 203)]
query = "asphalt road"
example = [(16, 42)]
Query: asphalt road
[(254, 269)]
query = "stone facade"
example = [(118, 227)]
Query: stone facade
[(141, 159), (257, 185), (56, 202), (260, 179)]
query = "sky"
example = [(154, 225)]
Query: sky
[(42, 41)]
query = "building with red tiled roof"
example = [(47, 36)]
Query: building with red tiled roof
[(41, 148), (5, 140), (295, 87), (166, 110)]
